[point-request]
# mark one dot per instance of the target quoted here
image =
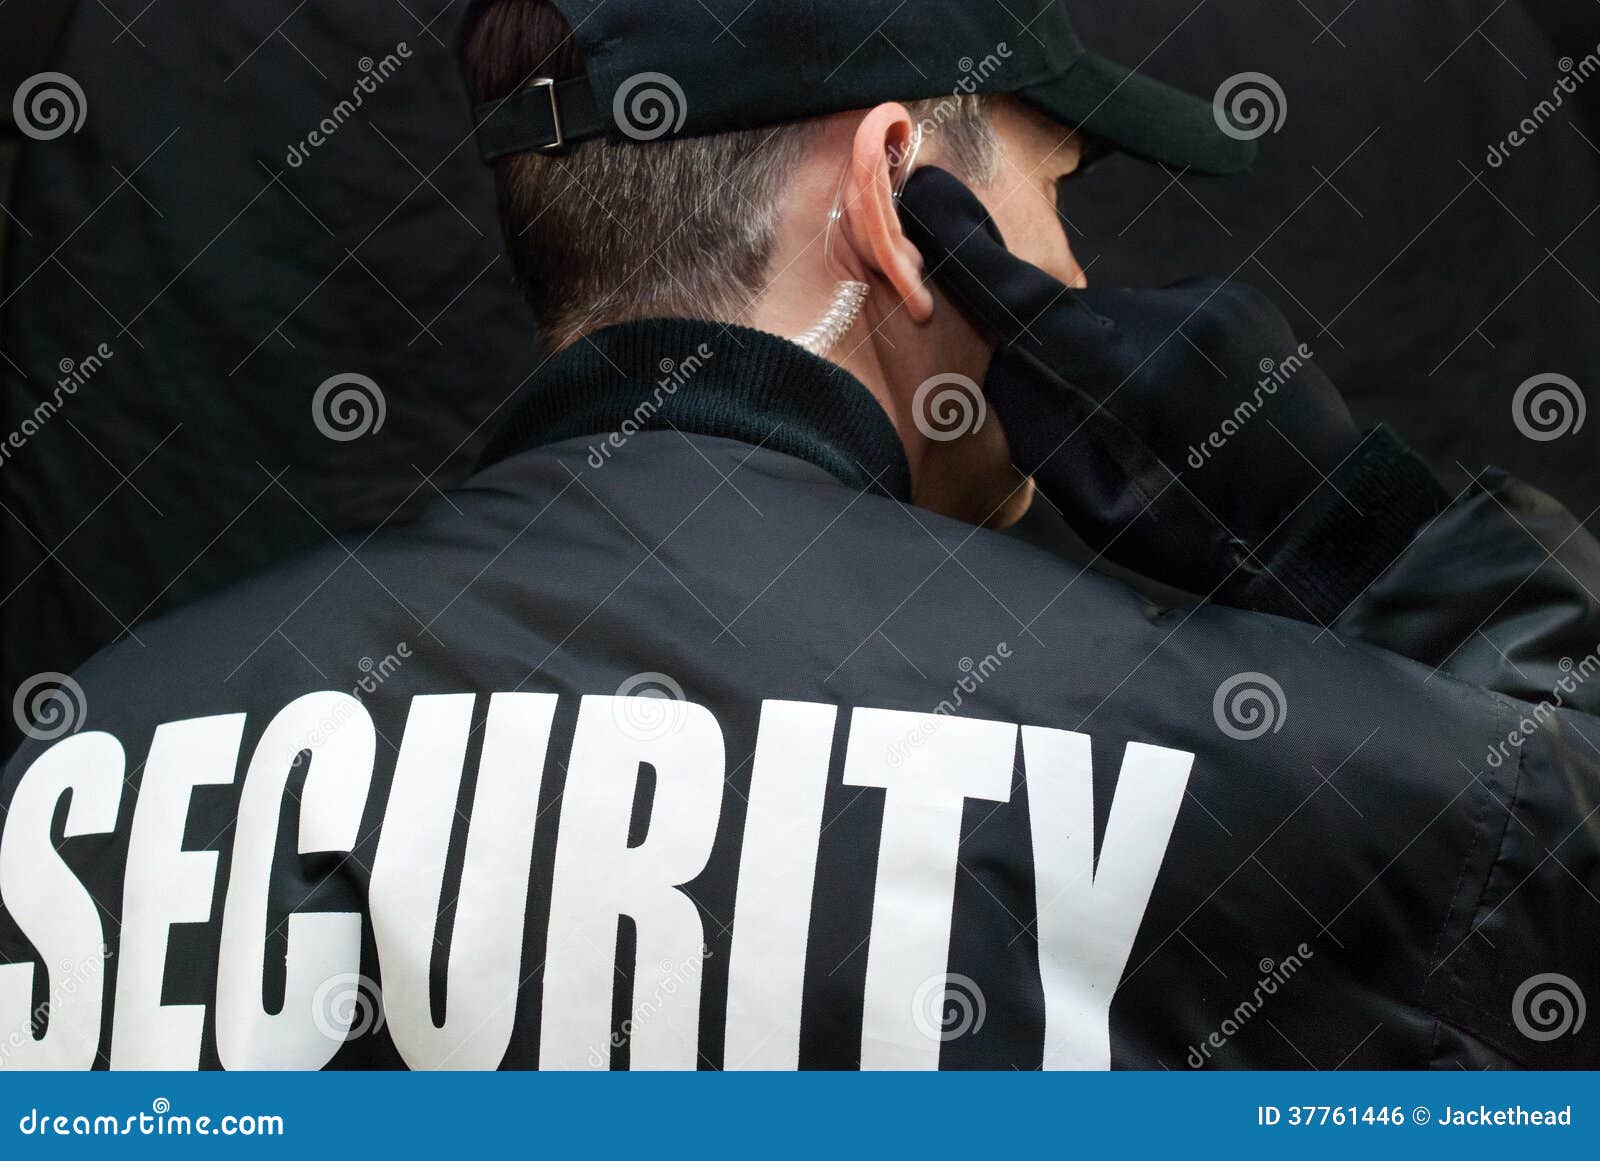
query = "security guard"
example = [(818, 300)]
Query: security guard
[(745, 711)]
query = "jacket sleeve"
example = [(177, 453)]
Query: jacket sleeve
[(1514, 968), (1496, 587)]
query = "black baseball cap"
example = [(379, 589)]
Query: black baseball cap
[(681, 68)]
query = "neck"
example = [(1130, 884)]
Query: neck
[(970, 478), (705, 378)]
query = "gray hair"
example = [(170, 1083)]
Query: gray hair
[(619, 230)]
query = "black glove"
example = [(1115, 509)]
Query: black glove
[(1184, 432)]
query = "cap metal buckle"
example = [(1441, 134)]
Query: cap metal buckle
[(560, 142)]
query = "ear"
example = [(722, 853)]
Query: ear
[(882, 146)]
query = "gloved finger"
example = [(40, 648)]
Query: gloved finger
[(1154, 314), (1235, 312), (1228, 326), (1213, 351), (965, 254)]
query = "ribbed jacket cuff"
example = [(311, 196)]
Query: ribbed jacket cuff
[(1350, 534)]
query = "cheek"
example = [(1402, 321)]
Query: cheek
[(1036, 234), (1061, 261)]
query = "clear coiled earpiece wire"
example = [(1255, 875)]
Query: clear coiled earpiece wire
[(849, 295)]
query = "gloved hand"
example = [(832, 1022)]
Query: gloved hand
[(1179, 430)]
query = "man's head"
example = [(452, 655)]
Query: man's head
[(734, 225), (620, 229)]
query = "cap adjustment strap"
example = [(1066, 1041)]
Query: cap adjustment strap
[(546, 117)]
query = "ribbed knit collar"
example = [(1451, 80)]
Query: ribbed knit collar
[(704, 378)]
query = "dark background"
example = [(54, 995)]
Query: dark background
[(229, 285), (27, 32)]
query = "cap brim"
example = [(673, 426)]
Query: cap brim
[(1141, 116)]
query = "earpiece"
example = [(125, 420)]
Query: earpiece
[(850, 296)]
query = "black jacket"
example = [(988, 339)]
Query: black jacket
[(678, 738)]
